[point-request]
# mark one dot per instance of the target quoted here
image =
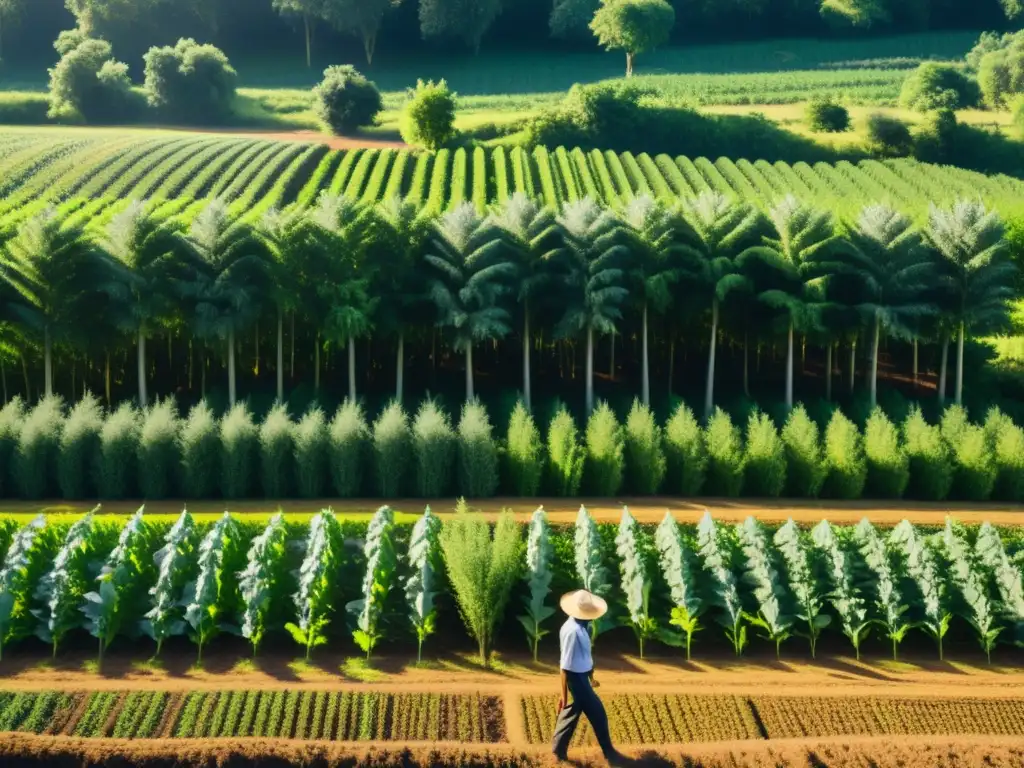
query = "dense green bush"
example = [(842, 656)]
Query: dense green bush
[(566, 455), (1006, 441), (392, 451), (428, 119), (349, 449), (888, 466), (116, 468), (1001, 74), (1017, 110), (524, 453), (200, 453), (190, 83), (478, 453), (939, 86), (936, 139), (931, 469), (345, 100), (11, 417), (88, 81), (889, 136), (805, 465), (844, 459), (606, 460), (159, 456), (277, 448), (974, 470), (685, 454), (725, 456), (79, 447), (433, 443), (312, 451), (35, 458), (765, 464), (825, 115), (239, 444), (645, 454)]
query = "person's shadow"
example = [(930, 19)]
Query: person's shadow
[(647, 759)]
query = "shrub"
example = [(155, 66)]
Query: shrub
[(88, 81), (191, 83), (725, 456), (566, 456), (35, 458), (1017, 109), (606, 462), (239, 442), (935, 139), (765, 459), (805, 467), (825, 115), (974, 471), (428, 119), (1006, 441), (11, 417), (645, 456), (686, 457), (79, 447), (433, 442), (888, 466), (345, 100), (349, 449), (392, 451), (478, 453), (1001, 74), (524, 453), (277, 448), (200, 453), (889, 136), (939, 86), (119, 449), (931, 470), (159, 454), (312, 448), (844, 459)]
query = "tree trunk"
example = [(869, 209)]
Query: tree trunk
[(874, 362), (746, 365), (309, 42), (590, 370), (231, 367), (629, 63), (942, 370), (915, 364), (316, 365), (853, 363), (645, 383), (24, 372), (351, 369), (709, 384), (47, 362), (400, 368), (789, 369), (369, 45), (671, 364), (106, 378), (469, 372), (292, 363), (611, 359), (280, 356), (527, 390), (3, 377), (143, 395), (256, 340), (202, 380), (828, 372), (959, 394)]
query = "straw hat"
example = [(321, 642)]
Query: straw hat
[(583, 605)]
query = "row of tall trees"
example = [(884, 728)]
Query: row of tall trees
[(351, 270)]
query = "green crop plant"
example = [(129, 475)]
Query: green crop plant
[(173, 561), (636, 581), (63, 587), (888, 599), (538, 575), (420, 587), (678, 567), (381, 568), (260, 583), (591, 569), (204, 609), (717, 554), (846, 597), (769, 587), (970, 579), (15, 582), (317, 577)]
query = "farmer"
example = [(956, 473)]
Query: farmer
[(577, 673)]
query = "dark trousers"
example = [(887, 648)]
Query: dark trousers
[(584, 702)]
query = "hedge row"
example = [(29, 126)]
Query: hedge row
[(79, 452)]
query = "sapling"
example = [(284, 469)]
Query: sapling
[(635, 581), (539, 554), (768, 586), (424, 554), (716, 555), (677, 567), (803, 582), (381, 565)]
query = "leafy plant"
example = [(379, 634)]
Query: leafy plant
[(805, 467), (11, 416), (79, 446), (63, 587), (685, 452), (1007, 444), (969, 579), (524, 453), (974, 468), (765, 461), (277, 448), (433, 443), (200, 453), (677, 568), (802, 580), (844, 459), (159, 451), (349, 437), (239, 438), (566, 456), (478, 452), (635, 581), (725, 456), (118, 450), (888, 599), (590, 566), (923, 569), (538, 575), (15, 586), (991, 555), (392, 446), (420, 589), (262, 579), (311, 453), (174, 562), (887, 463), (716, 550), (381, 567), (845, 596), (768, 586), (204, 608), (605, 452), (931, 470), (35, 458), (317, 578), (645, 456)]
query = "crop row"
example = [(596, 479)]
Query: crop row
[(304, 715)]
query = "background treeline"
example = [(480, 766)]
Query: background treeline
[(277, 25), (51, 451)]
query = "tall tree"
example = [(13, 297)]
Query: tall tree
[(894, 271), (593, 273), (534, 240), (652, 236), (471, 274), (347, 230), (633, 26), (225, 269), (143, 252), (362, 18), (720, 229), (307, 10), (467, 20), (793, 281), (970, 241), (53, 273)]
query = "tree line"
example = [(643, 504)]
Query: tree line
[(351, 270)]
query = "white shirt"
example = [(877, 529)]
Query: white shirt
[(575, 641)]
